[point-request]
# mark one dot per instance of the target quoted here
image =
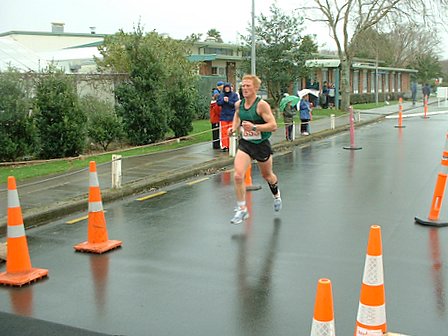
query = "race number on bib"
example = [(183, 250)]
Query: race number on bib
[(250, 135)]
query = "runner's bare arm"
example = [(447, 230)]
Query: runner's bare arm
[(264, 111)]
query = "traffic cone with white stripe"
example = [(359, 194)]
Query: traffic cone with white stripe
[(19, 271), (323, 319), (248, 180), (371, 319), (97, 237)]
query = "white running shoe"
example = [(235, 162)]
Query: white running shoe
[(277, 203), (240, 216)]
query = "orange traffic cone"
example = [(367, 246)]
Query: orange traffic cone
[(323, 320), (439, 192), (19, 271), (248, 180), (371, 319), (400, 114), (97, 237)]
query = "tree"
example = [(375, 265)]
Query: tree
[(396, 44), (103, 126), (281, 50), (215, 34), (193, 38), (348, 19), (60, 121), (18, 134), (428, 67), (159, 72)]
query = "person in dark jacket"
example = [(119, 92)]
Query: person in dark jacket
[(215, 111), (305, 115), (226, 100)]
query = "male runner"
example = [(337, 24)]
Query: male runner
[(255, 122)]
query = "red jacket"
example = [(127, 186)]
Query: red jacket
[(215, 111)]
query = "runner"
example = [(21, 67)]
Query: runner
[(255, 122)]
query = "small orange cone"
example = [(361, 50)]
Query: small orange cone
[(97, 237), (248, 180), (371, 319), (323, 319), (439, 192), (19, 271)]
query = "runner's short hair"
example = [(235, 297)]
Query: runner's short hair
[(255, 80)]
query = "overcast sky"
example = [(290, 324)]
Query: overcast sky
[(178, 18)]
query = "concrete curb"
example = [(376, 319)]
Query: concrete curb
[(39, 216)]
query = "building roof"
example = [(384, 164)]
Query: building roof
[(201, 57), (23, 32), (15, 55)]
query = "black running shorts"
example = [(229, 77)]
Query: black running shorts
[(260, 152)]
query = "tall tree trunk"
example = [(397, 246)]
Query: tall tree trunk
[(345, 84)]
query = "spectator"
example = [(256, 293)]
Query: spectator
[(305, 115), (226, 100), (215, 111), (288, 118), (331, 94), (426, 90), (324, 96), (414, 92)]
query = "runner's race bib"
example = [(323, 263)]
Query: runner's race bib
[(250, 135)]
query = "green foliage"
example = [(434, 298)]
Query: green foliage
[(428, 67), (103, 125), (161, 91), (60, 121), (18, 135), (215, 34), (281, 51)]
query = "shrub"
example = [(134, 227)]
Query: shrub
[(61, 122), (18, 135), (103, 124)]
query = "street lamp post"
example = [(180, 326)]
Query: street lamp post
[(252, 57)]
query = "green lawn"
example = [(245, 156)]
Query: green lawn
[(201, 133), (369, 106)]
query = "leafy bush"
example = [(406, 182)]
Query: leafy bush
[(18, 135), (60, 121), (103, 125)]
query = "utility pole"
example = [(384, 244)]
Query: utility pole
[(376, 79), (252, 56)]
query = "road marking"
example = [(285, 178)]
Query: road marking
[(80, 219), (197, 181), (420, 114), (144, 198), (76, 220)]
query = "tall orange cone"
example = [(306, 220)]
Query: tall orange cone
[(439, 192), (248, 180), (97, 237), (400, 114), (371, 319), (19, 271), (323, 319)]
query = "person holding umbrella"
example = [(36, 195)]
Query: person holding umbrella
[(288, 106), (305, 115)]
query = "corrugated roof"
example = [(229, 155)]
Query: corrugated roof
[(201, 58), (15, 55)]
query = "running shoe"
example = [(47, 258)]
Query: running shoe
[(277, 204), (240, 215)]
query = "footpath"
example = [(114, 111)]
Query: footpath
[(48, 198)]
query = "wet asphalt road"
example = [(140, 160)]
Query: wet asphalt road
[(184, 270)]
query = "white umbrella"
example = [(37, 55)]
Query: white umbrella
[(304, 92)]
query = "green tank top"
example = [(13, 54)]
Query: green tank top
[(251, 115)]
